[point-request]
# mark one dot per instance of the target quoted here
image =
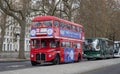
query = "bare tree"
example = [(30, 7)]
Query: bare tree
[(97, 17), (3, 27), (18, 13)]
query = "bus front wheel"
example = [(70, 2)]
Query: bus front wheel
[(34, 63), (56, 60)]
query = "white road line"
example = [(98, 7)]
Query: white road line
[(15, 66)]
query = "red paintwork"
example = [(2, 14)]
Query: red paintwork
[(56, 35), (43, 18)]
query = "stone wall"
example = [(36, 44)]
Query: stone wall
[(12, 54)]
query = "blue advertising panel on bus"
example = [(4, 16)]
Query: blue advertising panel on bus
[(68, 54), (67, 33)]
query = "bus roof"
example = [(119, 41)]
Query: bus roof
[(99, 38), (43, 18)]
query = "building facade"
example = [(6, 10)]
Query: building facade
[(11, 39)]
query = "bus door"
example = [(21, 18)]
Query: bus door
[(77, 50)]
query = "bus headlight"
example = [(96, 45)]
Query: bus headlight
[(32, 55), (49, 55)]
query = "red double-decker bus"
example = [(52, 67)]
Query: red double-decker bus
[(55, 40)]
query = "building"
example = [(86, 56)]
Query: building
[(11, 38)]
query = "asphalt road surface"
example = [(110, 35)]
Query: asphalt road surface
[(8, 66), (14, 65), (47, 68), (114, 69)]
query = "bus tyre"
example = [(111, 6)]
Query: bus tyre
[(88, 58), (79, 58), (34, 63), (56, 60)]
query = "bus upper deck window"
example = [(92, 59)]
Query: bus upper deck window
[(69, 27), (61, 25), (48, 23), (73, 28), (56, 23), (36, 24)]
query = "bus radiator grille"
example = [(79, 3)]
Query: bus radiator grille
[(40, 56)]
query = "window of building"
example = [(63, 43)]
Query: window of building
[(7, 40), (7, 47), (4, 45), (10, 46)]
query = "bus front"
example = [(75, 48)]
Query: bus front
[(42, 42)]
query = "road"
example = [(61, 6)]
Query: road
[(70, 68), (14, 65), (114, 69)]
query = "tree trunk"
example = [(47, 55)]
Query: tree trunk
[(3, 22), (2, 39), (22, 40)]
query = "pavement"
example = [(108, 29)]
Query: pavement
[(4, 60)]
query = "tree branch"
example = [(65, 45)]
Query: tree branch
[(17, 11), (10, 13)]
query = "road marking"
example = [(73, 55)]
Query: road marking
[(15, 66)]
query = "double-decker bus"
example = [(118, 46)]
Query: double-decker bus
[(55, 40), (98, 48), (116, 48)]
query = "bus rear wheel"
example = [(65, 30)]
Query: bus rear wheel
[(79, 58), (56, 60)]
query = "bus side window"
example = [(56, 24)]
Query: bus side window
[(78, 29), (48, 23), (61, 25), (74, 45), (78, 45), (63, 44), (73, 28), (67, 44), (56, 23)]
